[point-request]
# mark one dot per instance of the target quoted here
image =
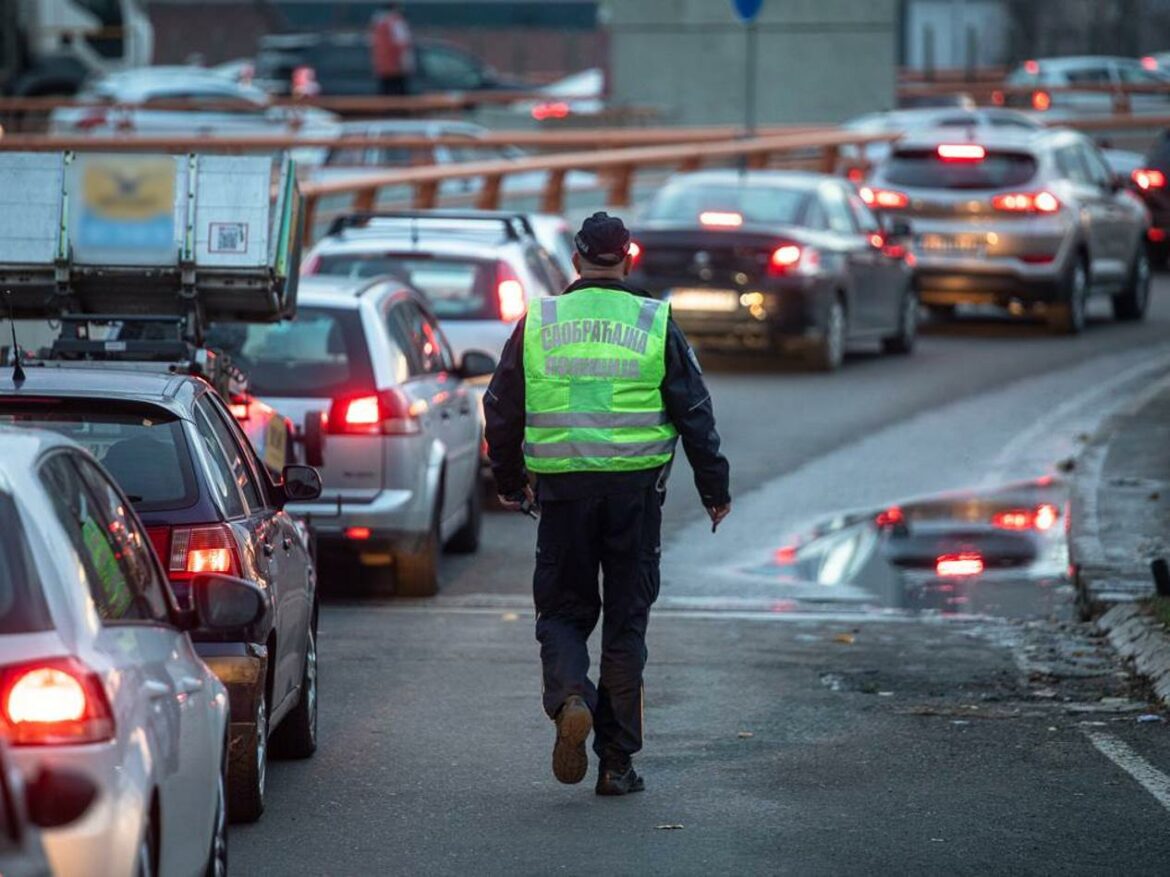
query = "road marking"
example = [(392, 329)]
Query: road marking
[(1149, 777)]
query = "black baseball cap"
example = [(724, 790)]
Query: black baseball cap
[(603, 240)]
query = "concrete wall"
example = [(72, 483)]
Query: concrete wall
[(819, 60)]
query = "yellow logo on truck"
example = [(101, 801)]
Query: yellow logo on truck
[(131, 190)]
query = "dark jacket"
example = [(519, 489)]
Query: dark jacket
[(688, 404)]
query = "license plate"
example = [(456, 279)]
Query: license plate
[(722, 300), (953, 245)]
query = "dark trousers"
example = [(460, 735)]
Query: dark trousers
[(392, 85), (617, 535)]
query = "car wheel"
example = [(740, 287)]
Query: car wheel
[(297, 735), (248, 768), (907, 334), (1130, 304), (217, 857), (466, 538), (147, 851), (418, 570), (829, 352), (1067, 317)]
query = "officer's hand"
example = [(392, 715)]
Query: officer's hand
[(718, 513), (512, 503)]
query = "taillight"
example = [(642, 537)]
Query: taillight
[(240, 406), (886, 198), (956, 565), (961, 152), (54, 702), (635, 254), (998, 98), (1149, 62), (311, 265), (891, 517), (1041, 100), (1026, 202), (1041, 518), (93, 118), (550, 110), (386, 413), (1148, 178), (793, 259), (208, 548), (303, 81), (509, 294), (720, 219), (1031, 67), (1156, 235)]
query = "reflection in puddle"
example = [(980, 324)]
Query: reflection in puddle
[(997, 552)]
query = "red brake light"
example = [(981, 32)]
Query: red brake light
[(513, 304), (1157, 235), (961, 152), (1149, 62), (202, 549), (1041, 518), (358, 534), (884, 198), (955, 565), (93, 118), (1031, 67), (635, 254), (1148, 178), (1041, 100), (855, 174), (304, 81), (786, 256), (551, 110), (386, 413), (1027, 202), (997, 98), (54, 702), (891, 517), (721, 219), (311, 265)]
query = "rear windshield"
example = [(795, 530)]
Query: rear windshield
[(320, 354), (457, 288), (22, 603), (767, 205), (143, 447), (922, 168)]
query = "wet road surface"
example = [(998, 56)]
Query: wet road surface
[(798, 722)]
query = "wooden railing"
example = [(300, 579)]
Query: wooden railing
[(1000, 94), (817, 150)]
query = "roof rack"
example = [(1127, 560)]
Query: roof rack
[(514, 224)]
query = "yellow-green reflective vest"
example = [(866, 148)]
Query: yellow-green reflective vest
[(594, 362)]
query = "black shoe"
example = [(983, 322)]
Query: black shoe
[(570, 758), (611, 781)]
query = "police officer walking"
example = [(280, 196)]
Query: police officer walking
[(591, 394)]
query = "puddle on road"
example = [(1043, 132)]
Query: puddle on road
[(1000, 552)]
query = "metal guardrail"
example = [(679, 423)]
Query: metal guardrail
[(815, 149)]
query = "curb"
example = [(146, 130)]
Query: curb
[(1137, 636)]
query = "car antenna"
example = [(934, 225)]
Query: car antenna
[(17, 368)]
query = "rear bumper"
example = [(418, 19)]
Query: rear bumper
[(243, 669), (388, 512), (788, 318), (990, 280)]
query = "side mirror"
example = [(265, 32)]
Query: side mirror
[(300, 483), (57, 797), (477, 364), (313, 437), (229, 607)]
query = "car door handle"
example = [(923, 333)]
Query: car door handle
[(190, 685), (156, 690)]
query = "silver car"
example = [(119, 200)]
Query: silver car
[(1032, 221), (403, 444), (99, 674), (1054, 86)]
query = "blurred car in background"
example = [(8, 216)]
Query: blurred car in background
[(338, 63), (479, 270), (354, 162), (402, 457), (1028, 221), (579, 94), (208, 506), (186, 101), (97, 670), (775, 261), (1103, 75), (1150, 180)]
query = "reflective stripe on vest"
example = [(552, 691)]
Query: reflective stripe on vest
[(594, 362)]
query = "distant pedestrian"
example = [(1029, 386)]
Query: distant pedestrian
[(592, 392), (392, 50)]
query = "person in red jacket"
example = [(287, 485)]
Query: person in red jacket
[(391, 49)]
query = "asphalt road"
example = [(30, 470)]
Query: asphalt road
[(788, 731)]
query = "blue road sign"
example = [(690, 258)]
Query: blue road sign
[(747, 10)]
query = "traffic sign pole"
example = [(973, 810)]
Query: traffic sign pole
[(747, 10)]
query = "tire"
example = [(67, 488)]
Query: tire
[(466, 538), (902, 342), (147, 864), (417, 573), (296, 736), (217, 856), (1131, 303), (829, 352), (1067, 317), (248, 768)]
